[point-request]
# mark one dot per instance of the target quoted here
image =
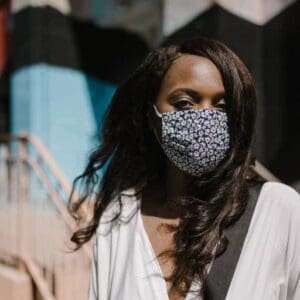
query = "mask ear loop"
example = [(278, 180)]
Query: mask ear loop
[(156, 111), (155, 133)]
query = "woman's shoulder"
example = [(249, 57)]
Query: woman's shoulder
[(281, 195), (279, 206), (283, 201)]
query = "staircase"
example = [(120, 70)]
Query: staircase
[(36, 261)]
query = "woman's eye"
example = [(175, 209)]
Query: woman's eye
[(221, 104), (182, 103)]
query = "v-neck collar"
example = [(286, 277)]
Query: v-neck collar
[(151, 252)]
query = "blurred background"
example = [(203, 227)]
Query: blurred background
[(60, 63)]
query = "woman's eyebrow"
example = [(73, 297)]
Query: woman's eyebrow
[(194, 94), (219, 95)]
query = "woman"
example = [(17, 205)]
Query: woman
[(177, 145)]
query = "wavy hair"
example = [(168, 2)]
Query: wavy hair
[(133, 157)]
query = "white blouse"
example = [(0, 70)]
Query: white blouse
[(124, 266)]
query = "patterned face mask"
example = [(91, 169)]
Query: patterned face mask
[(195, 140)]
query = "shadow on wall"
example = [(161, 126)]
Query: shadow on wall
[(108, 54), (282, 65), (4, 101)]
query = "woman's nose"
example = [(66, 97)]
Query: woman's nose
[(205, 104)]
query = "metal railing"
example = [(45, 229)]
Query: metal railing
[(24, 159), (264, 172)]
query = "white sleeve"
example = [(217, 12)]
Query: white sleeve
[(294, 249), (93, 285)]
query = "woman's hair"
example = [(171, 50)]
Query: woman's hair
[(132, 157)]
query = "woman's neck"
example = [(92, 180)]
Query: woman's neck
[(175, 181), (158, 196)]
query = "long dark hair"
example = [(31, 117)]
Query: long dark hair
[(132, 157)]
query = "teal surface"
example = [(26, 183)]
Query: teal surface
[(63, 107)]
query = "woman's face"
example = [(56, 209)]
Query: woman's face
[(192, 82)]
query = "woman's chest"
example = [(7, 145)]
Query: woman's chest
[(160, 240)]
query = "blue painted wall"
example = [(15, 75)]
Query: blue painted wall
[(63, 107)]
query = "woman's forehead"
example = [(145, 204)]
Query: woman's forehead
[(195, 72)]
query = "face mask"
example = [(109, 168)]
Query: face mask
[(195, 140)]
